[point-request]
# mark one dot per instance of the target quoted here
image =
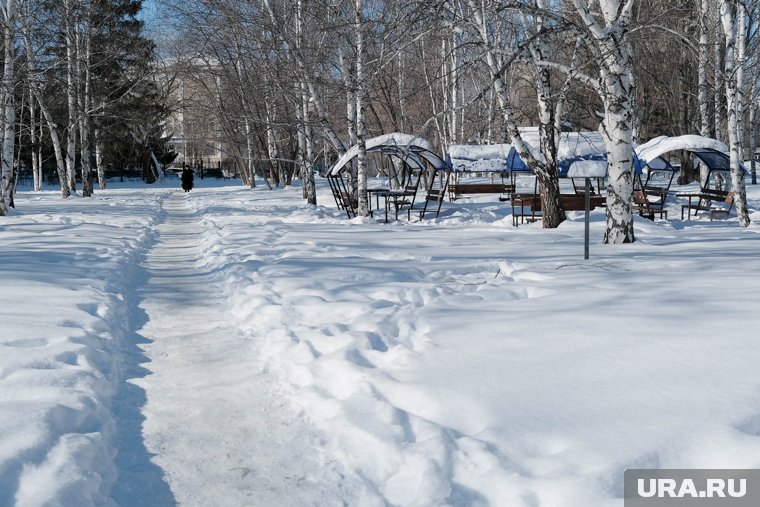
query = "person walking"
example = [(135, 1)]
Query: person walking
[(187, 179)]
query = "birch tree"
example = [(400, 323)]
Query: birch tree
[(72, 84), (37, 78), (606, 33), (361, 125), (9, 105), (543, 162), (733, 18)]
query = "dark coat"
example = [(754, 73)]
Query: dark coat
[(187, 179)]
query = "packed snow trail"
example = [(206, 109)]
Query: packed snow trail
[(213, 420)]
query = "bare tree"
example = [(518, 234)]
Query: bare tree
[(9, 106), (733, 18)]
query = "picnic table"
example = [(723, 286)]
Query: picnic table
[(703, 201)]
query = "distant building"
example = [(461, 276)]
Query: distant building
[(195, 89)]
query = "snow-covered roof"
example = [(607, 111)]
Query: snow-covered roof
[(587, 168), (408, 147), (478, 157), (493, 157), (663, 144)]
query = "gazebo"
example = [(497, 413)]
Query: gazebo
[(414, 152), (712, 153)]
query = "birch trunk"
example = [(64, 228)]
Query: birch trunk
[(34, 141), (361, 159), (9, 107), (305, 139), (544, 163), (85, 106), (71, 88), (616, 89), (307, 173), (316, 98), (733, 60), (753, 142), (49, 120), (249, 167), (348, 83), (753, 133), (548, 172), (272, 148), (719, 96), (99, 160), (703, 96), (454, 92)]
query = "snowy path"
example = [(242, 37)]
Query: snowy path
[(213, 419), (237, 347)]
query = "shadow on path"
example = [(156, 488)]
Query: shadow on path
[(139, 481)]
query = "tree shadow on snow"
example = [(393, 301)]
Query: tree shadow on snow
[(139, 480)]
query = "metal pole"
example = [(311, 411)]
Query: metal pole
[(588, 212)]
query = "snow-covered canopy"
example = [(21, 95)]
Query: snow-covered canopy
[(655, 148), (711, 152), (584, 154), (581, 154), (478, 157), (412, 150)]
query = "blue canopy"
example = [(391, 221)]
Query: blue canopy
[(592, 165)]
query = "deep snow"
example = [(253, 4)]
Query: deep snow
[(239, 347)]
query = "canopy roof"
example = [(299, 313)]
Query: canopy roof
[(584, 154), (659, 146), (712, 153), (580, 153), (412, 150)]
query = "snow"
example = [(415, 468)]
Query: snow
[(661, 145), (239, 347), (484, 158)]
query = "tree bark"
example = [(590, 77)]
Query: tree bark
[(71, 93), (9, 107), (731, 18), (361, 134)]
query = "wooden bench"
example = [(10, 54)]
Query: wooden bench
[(527, 207), (705, 200), (433, 199), (649, 208), (458, 189)]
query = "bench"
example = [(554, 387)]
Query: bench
[(528, 206), (649, 208), (705, 199), (424, 206), (458, 189)]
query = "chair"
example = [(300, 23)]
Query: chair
[(402, 198), (431, 196)]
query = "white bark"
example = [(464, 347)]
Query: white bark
[(100, 160), (499, 87), (84, 99), (71, 89), (9, 107), (753, 133), (703, 86), (616, 91), (731, 19), (45, 110), (35, 138), (272, 148), (250, 167), (316, 98), (719, 96), (361, 134)]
